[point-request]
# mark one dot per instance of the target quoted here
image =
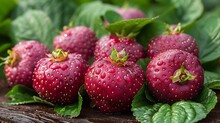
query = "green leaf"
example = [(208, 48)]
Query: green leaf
[(72, 110), (214, 84), (6, 6), (150, 30), (128, 28), (20, 94), (112, 16), (142, 109), (90, 15), (211, 4), (208, 98), (207, 34), (143, 63), (188, 10), (210, 76), (181, 111), (33, 25), (5, 27), (4, 47), (177, 11), (40, 100), (59, 11), (139, 99)]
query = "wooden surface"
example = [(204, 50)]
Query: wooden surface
[(41, 113)]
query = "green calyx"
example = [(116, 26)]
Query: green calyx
[(118, 58), (11, 59), (123, 34), (182, 75), (174, 29), (125, 5), (58, 55)]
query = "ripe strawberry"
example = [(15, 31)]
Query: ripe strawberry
[(105, 44), (174, 39), (111, 83), (174, 75), (130, 13), (79, 40), (59, 77), (20, 63)]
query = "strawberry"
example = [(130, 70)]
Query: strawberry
[(174, 75), (172, 39), (105, 44), (130, 13), (58, 77), (79, 40), (20, 63), (111, 83)]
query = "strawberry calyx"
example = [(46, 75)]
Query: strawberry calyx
[(174, 29), (118, 58), (58, 55), (182, 75), (11, 59)]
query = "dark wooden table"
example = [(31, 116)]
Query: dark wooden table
[(41, 113)]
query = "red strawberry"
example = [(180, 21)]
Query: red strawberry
[(21, 62), (130, 13), (105, 44), (79, 40), (111, 83), (174, 39), (59, 77), (174, 75)]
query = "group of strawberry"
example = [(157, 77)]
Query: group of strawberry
[(114, 78)]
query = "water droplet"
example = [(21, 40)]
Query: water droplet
[(64, 67), (127, 78), (119, 79), (29, 46), (103, 75), (100, 65), (55, 67), (111, 70), (98, 71), (160, 63)]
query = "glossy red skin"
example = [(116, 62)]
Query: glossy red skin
[(29, 52), (59, 82), (164, 65), (130, 13), (179, 41), (112, 88), (104, 47), (79, 40)]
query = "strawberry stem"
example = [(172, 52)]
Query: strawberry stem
[(174, 29), (181, 75), (125, 5), (118, 58), (11, 59), (58, 55)]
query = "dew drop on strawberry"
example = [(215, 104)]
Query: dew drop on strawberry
[(165, 78), (119, 84), (103, 75), (27, 54), (111, 70), (59, 81)]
